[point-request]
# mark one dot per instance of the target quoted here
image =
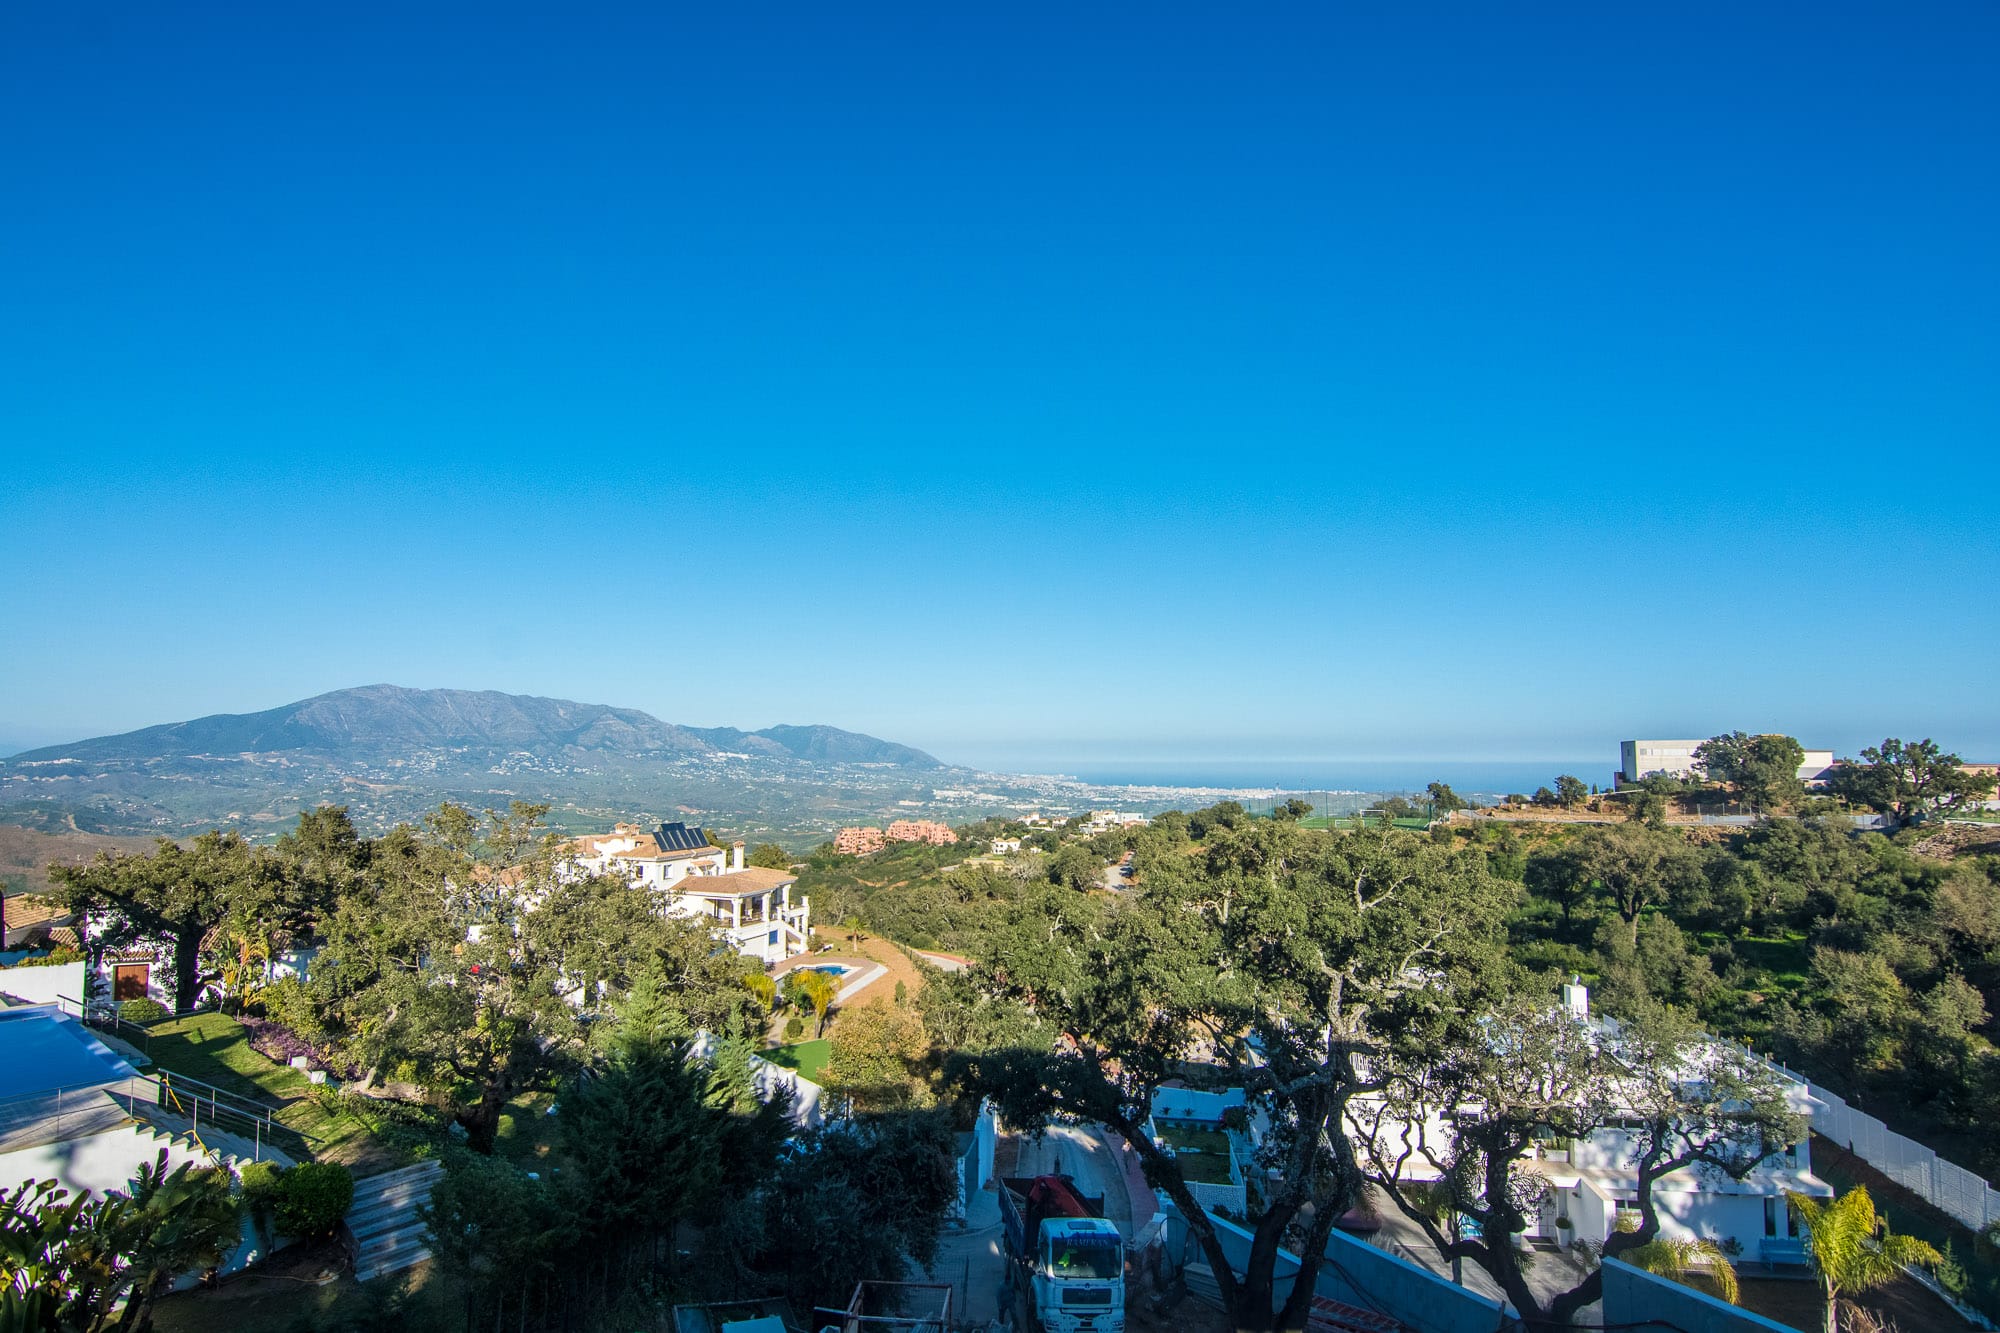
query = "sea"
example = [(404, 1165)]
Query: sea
[(1468, 778)]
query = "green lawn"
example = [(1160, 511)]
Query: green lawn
[(1203, 1168), (1200, 1140), (527, 1132), (806, 1057), (215, 1048), (1203, 1153)]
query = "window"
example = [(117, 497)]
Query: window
[(1770, 1216), (130, 982), (773, 939)]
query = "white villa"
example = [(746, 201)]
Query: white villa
[(750, 907), (1591, 1179)]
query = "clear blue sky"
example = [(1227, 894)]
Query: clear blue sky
[(1022, 382)]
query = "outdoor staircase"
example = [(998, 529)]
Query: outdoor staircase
[(383, 1217), (222, 1147)]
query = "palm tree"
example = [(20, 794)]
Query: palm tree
[(180, 1222), (762, 987), (1685, 1259), (1843, 1244), (814, 989)]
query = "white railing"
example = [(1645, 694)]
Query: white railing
[(1950, 1188)]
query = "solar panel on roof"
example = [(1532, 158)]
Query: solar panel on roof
[(678, 837)]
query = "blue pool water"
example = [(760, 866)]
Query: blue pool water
[(40, 1051), (835, 970)]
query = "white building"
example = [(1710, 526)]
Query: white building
[(1591, 1179), (1643, 759), (751, 907)]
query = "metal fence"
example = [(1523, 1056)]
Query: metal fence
[(1950, 1188), (1943, 1185)]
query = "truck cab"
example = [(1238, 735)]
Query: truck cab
[(1069, 1261), (1079, 1282)]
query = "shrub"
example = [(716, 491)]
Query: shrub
[(312, 1198), (142, 1011), (275, 1041), (53, 958), (795, 1027), (260, 1195), (286, 1003)]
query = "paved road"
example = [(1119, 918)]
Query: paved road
[(974, 1261), (1068, 1151)]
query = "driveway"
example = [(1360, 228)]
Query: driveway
[(973, 1258), (1067, 1150)]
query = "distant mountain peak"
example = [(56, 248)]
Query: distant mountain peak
[(373, 718)]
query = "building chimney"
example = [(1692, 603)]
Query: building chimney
[(1576, 996), (736, 855)]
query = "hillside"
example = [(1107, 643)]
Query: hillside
[(390, 753), (25, 854)]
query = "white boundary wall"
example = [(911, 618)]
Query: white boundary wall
[(1910, 1164), (1951, 1189), (44, 985)]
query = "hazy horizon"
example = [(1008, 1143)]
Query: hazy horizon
[(1092, 758)]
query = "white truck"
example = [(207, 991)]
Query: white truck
[(1068, 1262)]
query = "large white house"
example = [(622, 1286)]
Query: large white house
[(1590, 1180), (750, 907)]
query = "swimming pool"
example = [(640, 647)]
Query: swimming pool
[(834, 970), (41, 1050)]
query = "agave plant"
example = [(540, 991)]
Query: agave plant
[(1685, 1261)]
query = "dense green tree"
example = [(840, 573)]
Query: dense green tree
[(504, 1236), (1759, 771), (1909, 781), (770, 856), (173, 894), (1222, 815), (1564, 875), (1443, 799), (1868, 1005), (1635, 867), (1075, 867), (1294, 956), (1570, 791), (1292, 809), (855, 1201), (878, 1058)]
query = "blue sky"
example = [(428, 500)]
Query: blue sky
[(1021, 383)]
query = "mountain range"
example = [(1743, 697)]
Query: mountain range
[(389, 716), (390, 753)]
